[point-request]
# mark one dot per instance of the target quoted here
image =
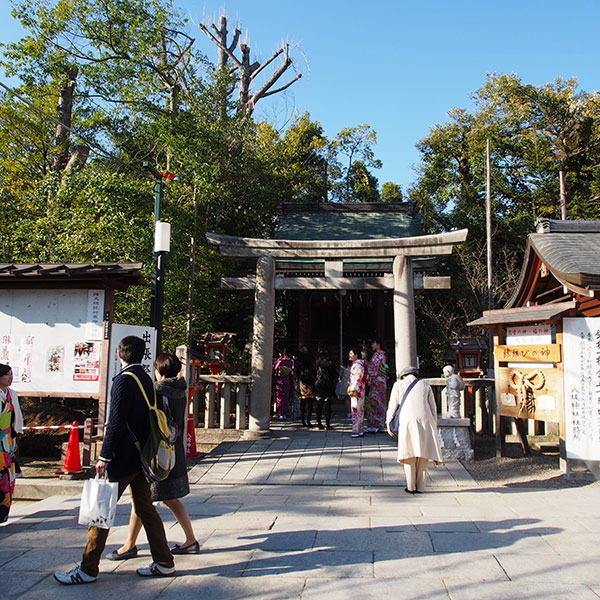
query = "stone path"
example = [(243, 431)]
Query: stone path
[(316, 457), (321, 516)]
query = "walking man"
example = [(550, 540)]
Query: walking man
[(120, 460)]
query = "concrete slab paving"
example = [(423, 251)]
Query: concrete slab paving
[(313, 515)]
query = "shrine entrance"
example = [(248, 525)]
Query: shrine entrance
[(336, 267)]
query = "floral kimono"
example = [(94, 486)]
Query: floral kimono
[(282, 375), (7, 454), (356, 391), (376, 402)]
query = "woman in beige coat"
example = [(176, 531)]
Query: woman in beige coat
[(418, 441)]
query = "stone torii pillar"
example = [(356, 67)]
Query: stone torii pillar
[(405, 332), (332, 253), (262, 345)]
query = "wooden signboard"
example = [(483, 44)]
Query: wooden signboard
[(529, 393), (542, 353)]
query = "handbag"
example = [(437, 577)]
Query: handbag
[(98, 502), (393, 424)]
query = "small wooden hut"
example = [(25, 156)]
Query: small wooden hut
[(547, 340)]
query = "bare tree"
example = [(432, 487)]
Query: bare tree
[(246, 71)]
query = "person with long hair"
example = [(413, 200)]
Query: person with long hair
[(283, 373), (356, 391), (11, 425), (325, 378), (173, 389), (377, 400)]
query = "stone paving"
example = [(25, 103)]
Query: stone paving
[(319, 515)]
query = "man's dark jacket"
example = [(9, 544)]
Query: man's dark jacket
[(127, 407)]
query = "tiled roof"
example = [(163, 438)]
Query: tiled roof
[(339, 221), (524, 314), (117, 275)]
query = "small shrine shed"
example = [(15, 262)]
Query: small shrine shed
[(547, 340)]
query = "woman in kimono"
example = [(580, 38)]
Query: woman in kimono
[(418, 441), (377, 401), (356, 391), (11, 425), (282, 376)]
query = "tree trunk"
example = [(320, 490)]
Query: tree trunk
[(78, 158), (64, 113)]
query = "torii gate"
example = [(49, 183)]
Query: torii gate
[(267, 251)]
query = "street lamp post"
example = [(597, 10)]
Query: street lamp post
[(162, 232)]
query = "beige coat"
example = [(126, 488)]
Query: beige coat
[(417, 424)]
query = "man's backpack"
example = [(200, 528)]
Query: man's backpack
[(158, 453)]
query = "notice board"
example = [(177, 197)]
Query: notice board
[(52, 339), (581, 337)]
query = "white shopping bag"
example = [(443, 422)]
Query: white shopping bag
[(98, 503)]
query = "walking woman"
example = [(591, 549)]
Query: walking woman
[(11, 425), (282, 376), (173, 389), (418, 441), (377, 401), (356, 391)]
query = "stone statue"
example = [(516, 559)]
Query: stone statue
[(454, 386)]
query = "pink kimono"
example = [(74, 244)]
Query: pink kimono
[(356, 391)]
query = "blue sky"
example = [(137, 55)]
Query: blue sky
[(401, 65)]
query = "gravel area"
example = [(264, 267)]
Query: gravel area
[(540, 469)]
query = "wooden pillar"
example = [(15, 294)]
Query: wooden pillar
[(303, 319), (109, 299), (405, 333), (262, 345), (380, 327)]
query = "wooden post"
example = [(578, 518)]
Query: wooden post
[(87, 443), (521, 427), (500, 439), (109, 297)]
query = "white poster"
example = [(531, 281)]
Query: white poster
[(44, 338), (93, 328), (524, 335), (581, 341), (118, 332)]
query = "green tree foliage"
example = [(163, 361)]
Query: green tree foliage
[(534, 132), (391, 192), (109, 84), (354, 182)]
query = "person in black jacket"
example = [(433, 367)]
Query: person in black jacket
[(120, 460), (173, 388), (325, 379)]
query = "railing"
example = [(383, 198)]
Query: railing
[(223, 401)]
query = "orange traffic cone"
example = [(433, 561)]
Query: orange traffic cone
[(190, 438), (72, 461)]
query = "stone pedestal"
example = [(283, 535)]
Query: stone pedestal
[(455, 438)]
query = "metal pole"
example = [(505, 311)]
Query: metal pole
[(488, 189), (563, 196), (160, 298), (341, 329), (158, 275), (192, 275)]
